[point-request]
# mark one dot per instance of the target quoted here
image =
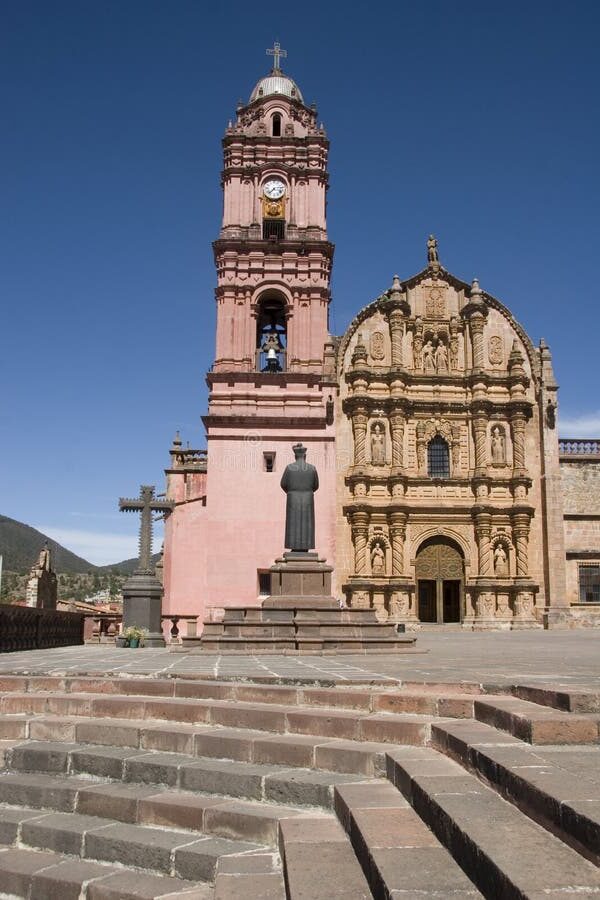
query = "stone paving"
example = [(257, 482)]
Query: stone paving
[(571, 657)]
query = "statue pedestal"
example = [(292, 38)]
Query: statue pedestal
[(300, 616), (301, 580), (142, 606)]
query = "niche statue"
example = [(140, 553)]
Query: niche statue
[(300, 481)]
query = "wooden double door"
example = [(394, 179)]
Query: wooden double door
[(440, 581)]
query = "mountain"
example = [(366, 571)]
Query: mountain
[(20, 546), (127, 567)]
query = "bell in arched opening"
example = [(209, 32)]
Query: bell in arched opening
[(271, 335)]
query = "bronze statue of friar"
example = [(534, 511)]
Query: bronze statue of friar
[(300, 481)]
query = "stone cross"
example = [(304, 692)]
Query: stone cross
[(146, 503), (278, 54)]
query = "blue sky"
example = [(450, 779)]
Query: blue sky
[(476, 121)]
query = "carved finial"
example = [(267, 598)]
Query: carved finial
[(433, 258), (475, 289), (177, 440), (396, 285)]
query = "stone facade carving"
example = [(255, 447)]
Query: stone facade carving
[(481, 513), (495, 350), (435, 304), (377, 346)]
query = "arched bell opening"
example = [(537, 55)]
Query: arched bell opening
[(440, 577), (271, 333)]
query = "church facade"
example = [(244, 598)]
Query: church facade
[(432, 421)]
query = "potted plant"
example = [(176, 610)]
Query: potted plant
[(134, 636)]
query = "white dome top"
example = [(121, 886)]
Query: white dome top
[(276, 83)]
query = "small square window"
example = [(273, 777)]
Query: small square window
[(264, 584), (268, 462)]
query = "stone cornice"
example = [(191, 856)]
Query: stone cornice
[(273, 248), (252, 422), (370, 403)]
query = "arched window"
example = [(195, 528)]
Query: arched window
[(271, 334), (276, 125), (438, 458)]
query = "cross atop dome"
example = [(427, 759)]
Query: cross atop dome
[(277, 53)]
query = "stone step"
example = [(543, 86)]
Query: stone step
[(216, 742), (319, 862), (43, 875), (535, 724), (381, 727), (141, 805), (559, 787), (252, 631), (438, 698), (564, 697), (398, 853), (300, 645), (501, 850), (275, 784), (256, 876)]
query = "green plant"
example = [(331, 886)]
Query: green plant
[(135, 633)]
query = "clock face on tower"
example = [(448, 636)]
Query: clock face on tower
[(274, 189)]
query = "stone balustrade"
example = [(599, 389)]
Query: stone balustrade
[(108, 626), (578, 447)]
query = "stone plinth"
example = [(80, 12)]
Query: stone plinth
[(142, 606), (301, 616)]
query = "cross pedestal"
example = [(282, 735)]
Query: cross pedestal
[(142, 593)]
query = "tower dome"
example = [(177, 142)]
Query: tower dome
[(276, 83)]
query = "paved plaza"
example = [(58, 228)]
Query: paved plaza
[(571, 657)]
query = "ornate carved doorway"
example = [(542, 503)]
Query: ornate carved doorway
[(440, 581)]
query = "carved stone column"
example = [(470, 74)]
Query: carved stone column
[(421, 446), (520, 527), (396, 319), (398, 535), (517, 425), (477, 324), (483, 531), (359, 428), (418, 345), (397, 423), (480, 421), (360, 532)]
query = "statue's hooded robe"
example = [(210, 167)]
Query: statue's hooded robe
[(300, 481)]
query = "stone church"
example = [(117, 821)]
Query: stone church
[(445, 495)]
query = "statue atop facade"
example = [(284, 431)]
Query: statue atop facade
[(432, 251), (300, 481), (498, 447), (378, 445)]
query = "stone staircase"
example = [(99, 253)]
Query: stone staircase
[(118, 788)]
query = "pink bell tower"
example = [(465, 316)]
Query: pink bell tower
[(272, 382)]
